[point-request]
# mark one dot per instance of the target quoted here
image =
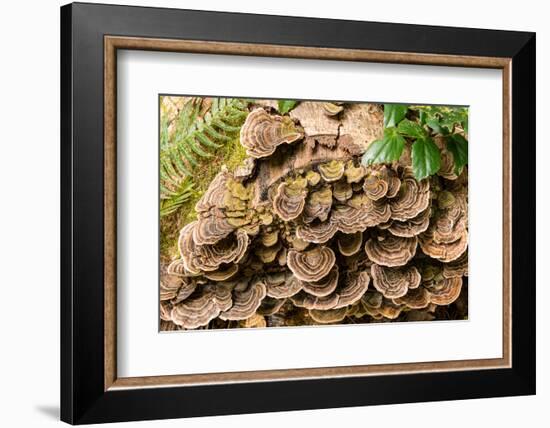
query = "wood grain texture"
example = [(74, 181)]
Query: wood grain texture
[(112, 43)]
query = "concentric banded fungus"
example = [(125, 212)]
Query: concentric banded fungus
[(352, 219), (255, 321), (176, 268), (389, 250), (318, 232), (223, 274), (268, 254), (311, 265), (261, 133), (413, 197), (202, 306), (376, 183), (332, 171), (318, 205), (245, 302), (270, 238), (394, 282), (332, 109), (441, 251), (215, 194), (169, 286), (209, 257), (270, 306), (416, 298), (324, 286), (354, 174), (456, 268), (211, 229), (355, 286), (282, 285), (329, 316), (289, 200), (342, 191), (187, 288), (350, 244), (412, 227), (446, 291)]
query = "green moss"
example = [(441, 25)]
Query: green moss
[(231, 155)]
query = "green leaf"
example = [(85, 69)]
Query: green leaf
[(411, 129), (426, 159), (393, 114), (458, 146), (433, 123), (286, 105), (387, 150)]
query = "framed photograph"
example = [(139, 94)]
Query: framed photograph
[(266, 213)]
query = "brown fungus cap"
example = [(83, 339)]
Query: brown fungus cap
[(395, 282), (223, 273), (311, 265), (441, 251), (332, 171), (329, 316), (318, 205), (229, 250), (261, 133), (413, 197), (332, 109), (289, 199), (202, 306), (270, 306), (215, 194), (245, 302), (458, 267), (342, 191), (349, 244), (416, 298), (268, 254), (445, 291), (377, 182), (354, 287), (282, 285), (169, 286), (354, 174), (324, 286), (412, 227), (211, 229), (176, 267), (317, 232), (388, 250)]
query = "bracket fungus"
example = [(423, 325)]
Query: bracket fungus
[(289, 201), (201, 307), (311, 265), (395, 282), (389, 250), (261, 133), (245, 302), (296, 232), (349, 244)]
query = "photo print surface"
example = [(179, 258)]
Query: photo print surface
[(282, 213)]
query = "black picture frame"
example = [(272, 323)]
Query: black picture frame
[(83, 396)]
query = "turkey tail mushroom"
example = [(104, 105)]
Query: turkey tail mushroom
[(388, 250), (262, 133), (311, 265)]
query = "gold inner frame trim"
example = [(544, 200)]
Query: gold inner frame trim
[(113, 43)]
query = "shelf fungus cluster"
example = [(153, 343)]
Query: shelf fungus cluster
[(304, 234)]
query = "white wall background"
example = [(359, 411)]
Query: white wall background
[(29, 211)]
